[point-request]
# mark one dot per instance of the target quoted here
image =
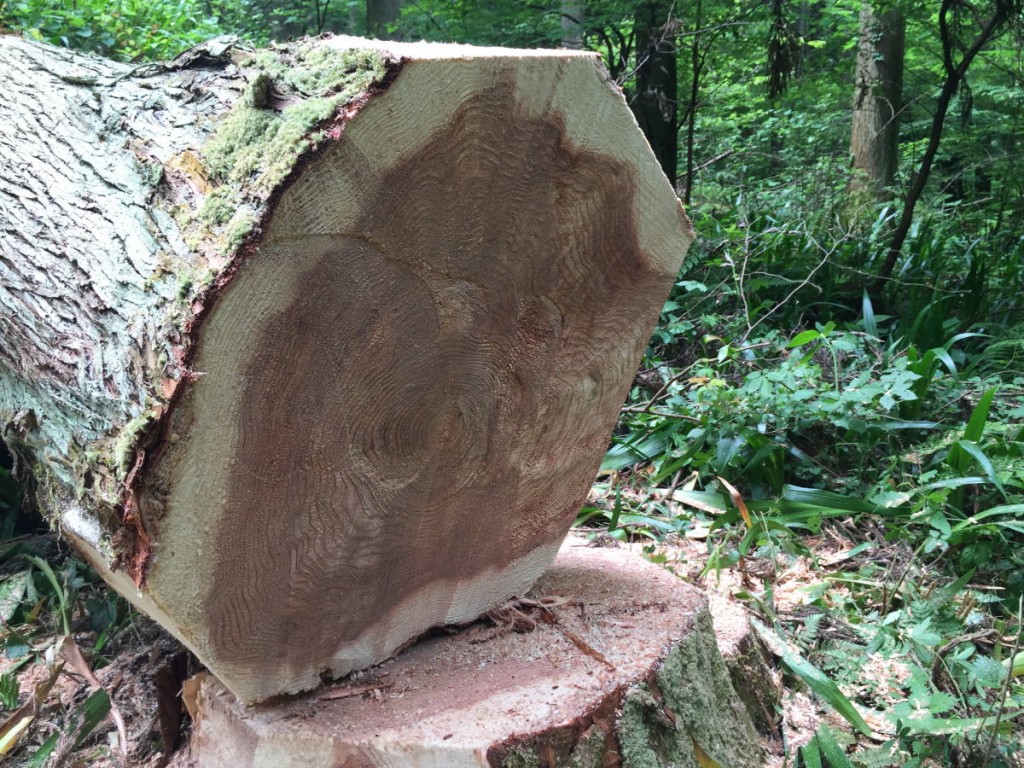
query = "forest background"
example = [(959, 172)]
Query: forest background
[(838, 376)]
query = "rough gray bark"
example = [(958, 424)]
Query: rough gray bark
[(302, 353), (90, 269), (572, 24), (380, 14), (878, 96)]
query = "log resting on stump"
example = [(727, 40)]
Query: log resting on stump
[(314, 348), (620, 669)]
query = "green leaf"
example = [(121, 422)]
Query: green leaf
[(41, 755), (870, 324), (638, 448), (976, 424), (979, 456), (1015, 665), (12, 592), (813, 677), (830, 748), (58, 589), (811, 754), (79, 726), (802, 338), (941, 597), (9, 690)]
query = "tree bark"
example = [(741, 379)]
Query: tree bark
[(878, 97), (611, 661), (315, 348), (657, 83), (572, 25), (380, 15)]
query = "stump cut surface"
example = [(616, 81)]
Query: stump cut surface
[(572, 692)]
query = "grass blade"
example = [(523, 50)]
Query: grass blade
[(979, 416), (812, 677)]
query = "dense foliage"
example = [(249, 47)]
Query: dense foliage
[(796, 379)]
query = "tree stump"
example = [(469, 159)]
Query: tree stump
[(314, 348), (611, 661)]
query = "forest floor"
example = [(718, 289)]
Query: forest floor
[(79, 701)]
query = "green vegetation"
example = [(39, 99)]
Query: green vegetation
[(822, 384)]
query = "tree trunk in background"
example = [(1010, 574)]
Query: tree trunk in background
[(878, 97), (655, 102), (696, 70), (312, 349), (955, 71), (380, 14), (572, 24)]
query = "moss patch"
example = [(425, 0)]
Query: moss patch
[(692, 705), (589, 751), (520, 758), (257, 144), (293, 94), (648, 738), (217, 209), (127, 439)]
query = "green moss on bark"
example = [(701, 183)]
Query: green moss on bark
[(293, 96), (589, 751), (693, 703), (520, 758), (257, 144)]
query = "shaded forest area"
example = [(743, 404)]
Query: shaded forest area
[(835, 391)]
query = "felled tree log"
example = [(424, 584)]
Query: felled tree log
[(314, 348), (611, 661)]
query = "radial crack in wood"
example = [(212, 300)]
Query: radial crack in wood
[(358, 379)]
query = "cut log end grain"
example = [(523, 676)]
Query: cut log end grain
[(659, 695), (419, 319)]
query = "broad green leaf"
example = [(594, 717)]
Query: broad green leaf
[(1015, 665), (635, 450), (811, 754), (813, 677), (9, 690), (830, 748), (979, 456), (804, 337), (870, 325), (979, 416), (12, 592)]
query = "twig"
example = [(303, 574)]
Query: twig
[(584, 646), (353, 690), (681, 416)]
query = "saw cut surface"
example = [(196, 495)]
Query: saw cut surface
[(405, 392), (490, 696)]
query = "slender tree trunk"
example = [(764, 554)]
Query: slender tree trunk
[(572, 24), (696, 67), (954, 75), (657, 83), (380, 14), (878, 97)]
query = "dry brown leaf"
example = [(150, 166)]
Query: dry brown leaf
[(737, 499), (15, 726)]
